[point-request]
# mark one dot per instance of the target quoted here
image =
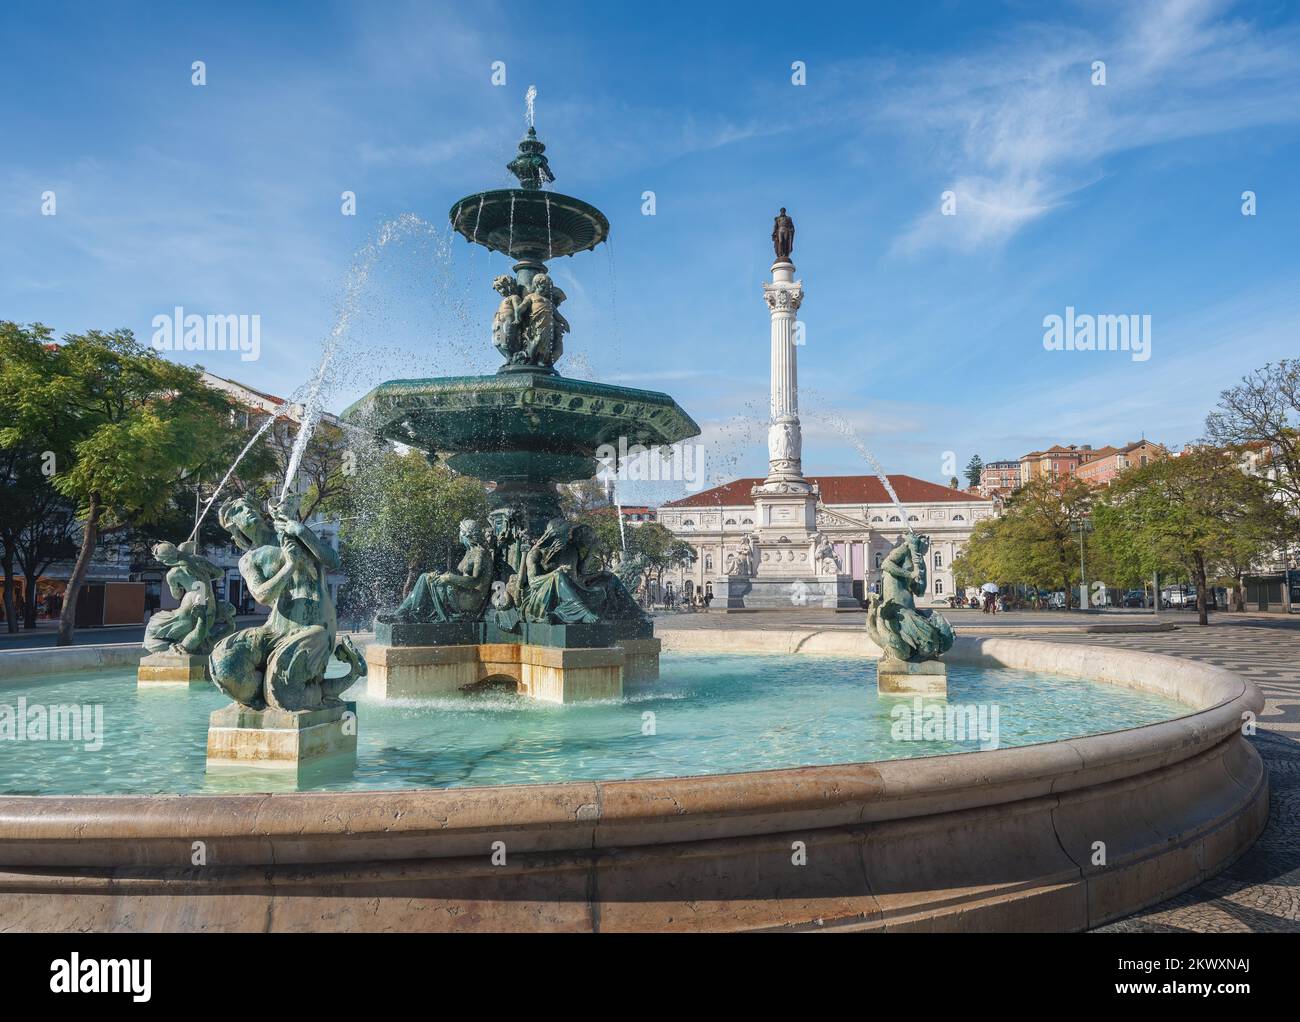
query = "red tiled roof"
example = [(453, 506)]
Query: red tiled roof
[(834, 490)]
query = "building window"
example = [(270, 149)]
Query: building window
[(731, 521), (938, 560), (913, 518), (958, 518), (938, 587), (879, 557), (747, 521), (895, 518), (688, 523), (708, 562), (877, 518)]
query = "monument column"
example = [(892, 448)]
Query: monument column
[(787, 561), (784, 295)]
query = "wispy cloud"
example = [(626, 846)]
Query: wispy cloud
[(1019, 128)]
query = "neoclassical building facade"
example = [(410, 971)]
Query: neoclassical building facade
[(853, 512)]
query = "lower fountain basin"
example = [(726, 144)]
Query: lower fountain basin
[(1005, 839)]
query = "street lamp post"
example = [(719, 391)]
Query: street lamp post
[(1082, 526)]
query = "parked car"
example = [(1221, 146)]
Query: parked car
[(1134, 598)]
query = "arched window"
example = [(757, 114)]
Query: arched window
[(731, 521), (688, 523), (747, 521), (938, 587), (913, 518), (938, 560), (895, 518), (958, 518), (876, 518)]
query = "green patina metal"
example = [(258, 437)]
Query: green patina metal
[(893, 621), (526, 428)]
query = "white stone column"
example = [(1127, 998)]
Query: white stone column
[(784, 436)]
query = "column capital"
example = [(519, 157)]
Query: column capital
[(783, 297)]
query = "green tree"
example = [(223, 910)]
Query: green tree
[(37, 527), (1198, 511), (584, 496), (401, 515), (124, 425), (974, 470), (657, 550), (325, 468), (1035, 541)]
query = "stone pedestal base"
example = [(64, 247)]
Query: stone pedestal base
[(640, 659), (902, 677), (767, 592), (172, 669), (546, 673), (277, 738)]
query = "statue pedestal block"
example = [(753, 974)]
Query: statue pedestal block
[(640, 659), (238, 736), (904, 677), (552, 674), (434, 633), (172, 669), (772, 592), (416, 672)]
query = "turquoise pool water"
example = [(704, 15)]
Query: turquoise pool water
[(705, 715)]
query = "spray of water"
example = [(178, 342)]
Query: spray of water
[(842, 426), (530, 97), (322, 380), (510, 243), (618, 509), (229, 472)]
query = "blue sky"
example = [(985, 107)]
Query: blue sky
[(924, 330)]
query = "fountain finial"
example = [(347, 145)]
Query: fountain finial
[(531, 166)]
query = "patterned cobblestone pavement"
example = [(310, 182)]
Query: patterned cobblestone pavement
[(1260, 892)]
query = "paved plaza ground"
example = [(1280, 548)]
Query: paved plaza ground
[(1261, 891)]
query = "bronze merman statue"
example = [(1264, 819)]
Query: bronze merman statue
[(194, 627), (893, 621), (285, 566)]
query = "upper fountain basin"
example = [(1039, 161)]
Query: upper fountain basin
[(543, 225), (520, 415)]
